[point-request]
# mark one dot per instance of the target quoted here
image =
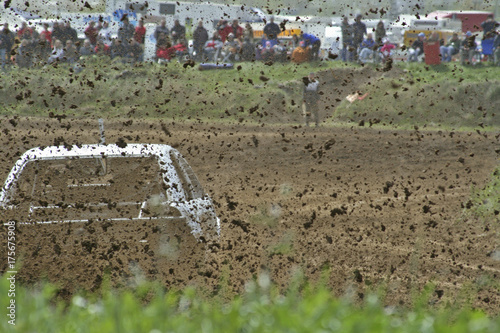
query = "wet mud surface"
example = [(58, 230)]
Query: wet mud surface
[(377, 207)]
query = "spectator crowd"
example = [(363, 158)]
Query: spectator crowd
[(230, 42)]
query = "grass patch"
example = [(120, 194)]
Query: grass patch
[(485, 203), (447, 96), (262, 308)]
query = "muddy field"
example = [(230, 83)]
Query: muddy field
[(378, 208)]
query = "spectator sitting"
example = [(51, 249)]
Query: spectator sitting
[(237, 30), (247, 49), (86, 49), (468, 48), (386, 49), (165, 52), (117, 49), (140, 32), (267, 52), (417, 48), (280, 52), (41, 50), (248, 33), (313, 43), (367, 48), (24, 54), (181, 49), (213, 47), (224, 29), (91, 33), (57, 52), (105, 34), (300, 54), (70, 52), (101, 49), (450, 49), (231, 49), (135, 52)]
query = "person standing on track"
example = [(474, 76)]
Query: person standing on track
[(311, 98)]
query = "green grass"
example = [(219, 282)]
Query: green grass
[(303, 308), (447, 96), (485, 202), (112, 89)]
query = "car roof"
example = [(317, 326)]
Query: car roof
[(160, 151)]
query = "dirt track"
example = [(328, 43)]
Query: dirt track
[(377, 207)]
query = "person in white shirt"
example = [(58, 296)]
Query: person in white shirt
[(105, 34), (311, 98)]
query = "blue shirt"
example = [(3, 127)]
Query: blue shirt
[(368, 43), (309, 39)]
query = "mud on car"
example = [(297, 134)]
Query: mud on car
[(112, 210)]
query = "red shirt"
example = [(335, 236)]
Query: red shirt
[(140, 33), (165, 52), (47, 35), (224, 32)]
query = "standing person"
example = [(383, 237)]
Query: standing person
[(91, 33), (46, 34), (359, 30), (248, 33), (25, 32), (380, 33), (140, 32), (200, 37), (7, 38), (489, 27), (69, 33), (126, 31), (105, 34), (496, 49), (347, 33), (311, 98), (178, 31), (57, 31), (162, 28), (272, 30)]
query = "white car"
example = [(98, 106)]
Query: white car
[(129, 183)]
